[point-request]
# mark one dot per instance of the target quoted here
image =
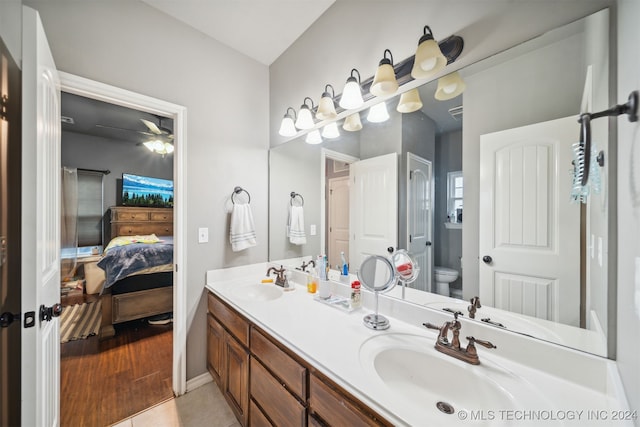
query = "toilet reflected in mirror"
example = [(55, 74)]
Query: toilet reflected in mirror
[(445, 276)]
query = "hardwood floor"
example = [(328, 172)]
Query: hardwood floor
[(104, 382)]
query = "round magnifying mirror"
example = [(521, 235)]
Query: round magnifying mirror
[(405, 266), (377, 274)]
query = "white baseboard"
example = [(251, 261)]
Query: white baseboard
[(198, 381)]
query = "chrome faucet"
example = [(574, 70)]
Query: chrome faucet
[(281, 277), (475, 304), (453, 349)]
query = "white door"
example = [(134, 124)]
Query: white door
[(419, 218), (40, 225), (374, 207), (338, 207), (529, 229)]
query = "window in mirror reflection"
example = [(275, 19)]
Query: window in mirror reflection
[(454, 196)]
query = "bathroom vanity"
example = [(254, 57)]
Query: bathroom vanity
[(283, 358)]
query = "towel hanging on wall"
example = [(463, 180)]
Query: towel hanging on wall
[(242, 234), (295, 226)]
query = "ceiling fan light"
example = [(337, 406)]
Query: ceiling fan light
[(149, 145), (450, 86), (326, 106), (378, 113), (331, 131), (168, 147), (352, 123), (313, 137), (409, 101), (384, 82), (428, 59), (352, 93)]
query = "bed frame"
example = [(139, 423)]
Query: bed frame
[(139, 304)]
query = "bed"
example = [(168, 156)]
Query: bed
[(138, 272)]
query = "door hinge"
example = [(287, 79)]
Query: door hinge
[(410, 238), (410, 174)]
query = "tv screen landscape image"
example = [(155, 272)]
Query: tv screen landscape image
[(138, 190)]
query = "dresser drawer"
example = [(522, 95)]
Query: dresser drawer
[(278, 404), (231, 320), (163, 216), (143, 229), (290, 372), (333, 408), (130, 215)]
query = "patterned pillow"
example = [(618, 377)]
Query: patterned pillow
[(127, 240)]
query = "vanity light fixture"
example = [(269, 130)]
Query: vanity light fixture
[(429, 58), (450, 86), (326, 107), (378, 113), (352, 93), (331, 131), (409, 101), (305, 118), (384, 82), (313, 137), (352, 123), (287, 128)]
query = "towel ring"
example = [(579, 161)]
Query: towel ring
[(294, 195), (239, 190)]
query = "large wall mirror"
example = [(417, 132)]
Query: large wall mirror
[(478, 188)]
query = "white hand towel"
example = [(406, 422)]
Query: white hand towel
[(243, 231), (295, 228)]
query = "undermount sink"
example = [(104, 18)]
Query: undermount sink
[(438, 387), (258, 292), (510, 321)]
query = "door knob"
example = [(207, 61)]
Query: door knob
[(8, 318), (428, 243), (487, 259), (48, 313), (390, 249)]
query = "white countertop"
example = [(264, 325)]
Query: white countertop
[(331, 340)]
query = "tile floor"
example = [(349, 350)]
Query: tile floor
[(204, 406)]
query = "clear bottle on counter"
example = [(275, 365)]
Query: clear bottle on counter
[(356, 300), (312, 282)]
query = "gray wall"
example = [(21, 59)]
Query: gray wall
[(628, 206), (447, 243), (91, 152), (131, 45)]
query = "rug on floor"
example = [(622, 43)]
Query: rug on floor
[(80, 321)]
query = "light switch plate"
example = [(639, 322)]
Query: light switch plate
[(312, 229), (203, 235)]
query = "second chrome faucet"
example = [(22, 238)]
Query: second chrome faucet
[(453, 348)]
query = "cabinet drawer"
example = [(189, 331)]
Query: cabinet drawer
[(257, 417), (282, 365), (279, 405), (130, 215), (333, 408), (143, 229), (161, 216), (235, 323)]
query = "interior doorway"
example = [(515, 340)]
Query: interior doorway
[(97, 91)]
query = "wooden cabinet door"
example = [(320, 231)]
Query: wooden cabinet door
[(236, 378), (215, 348)]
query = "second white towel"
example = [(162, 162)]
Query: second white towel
[(295, 227)]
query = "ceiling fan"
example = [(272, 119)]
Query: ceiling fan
[(154, 130)]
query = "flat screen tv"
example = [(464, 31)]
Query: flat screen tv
[(138, 190)]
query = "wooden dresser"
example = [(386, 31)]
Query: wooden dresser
[(133, 221)]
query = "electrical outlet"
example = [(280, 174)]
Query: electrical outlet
[(203, 235)]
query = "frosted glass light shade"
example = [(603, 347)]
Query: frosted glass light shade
[(384, 82), (313, 137), (305, 119), (326, 107), (159, 147), (352, 123), (287, 128), (450, 86), (378, 113), (429, 59), (351, 94), (331, 131), (409, 101)]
